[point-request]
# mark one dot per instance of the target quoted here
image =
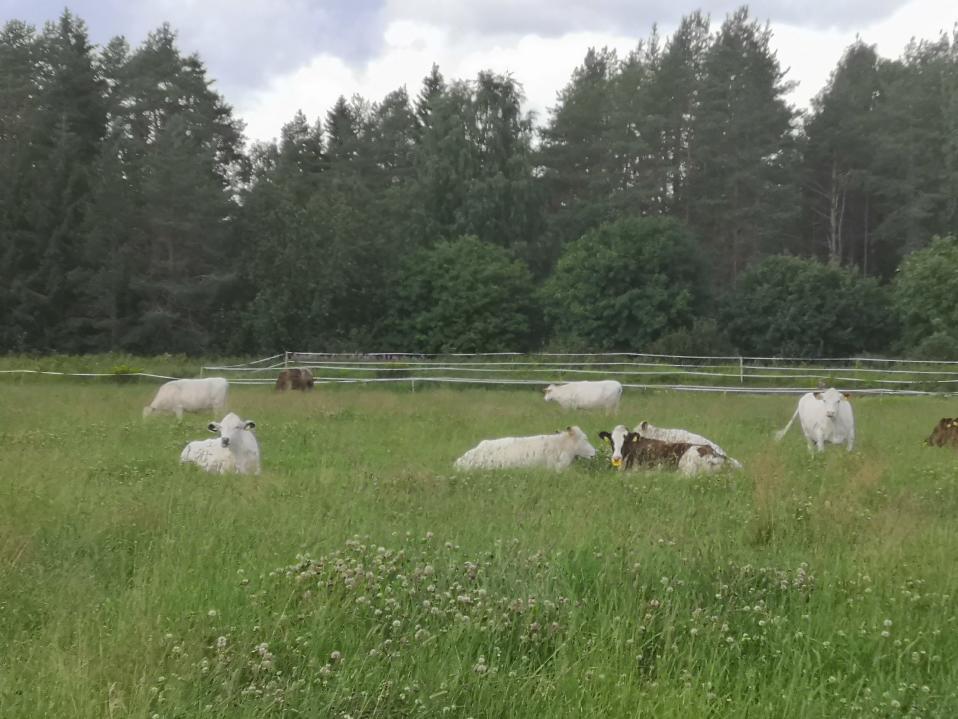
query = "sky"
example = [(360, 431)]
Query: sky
[(270, 58)]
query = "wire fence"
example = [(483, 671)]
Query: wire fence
[(691, 373), (685, 373)]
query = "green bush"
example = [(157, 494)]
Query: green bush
[(788, 306), (462, 296), (925, 295), (624, 285)]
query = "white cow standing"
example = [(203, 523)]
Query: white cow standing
[(604, 394), (826, 417), (556, 451), (189, 395), (234, 451)]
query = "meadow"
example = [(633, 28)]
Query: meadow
[(360, 576)]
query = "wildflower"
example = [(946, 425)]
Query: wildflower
[(212, 613), (887, 623), (336, 656)]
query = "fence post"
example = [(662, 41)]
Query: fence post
[(285, 359), (741, 370)]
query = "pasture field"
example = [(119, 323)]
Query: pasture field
[(359, 576)]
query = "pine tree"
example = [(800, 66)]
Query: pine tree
[(742, 187)]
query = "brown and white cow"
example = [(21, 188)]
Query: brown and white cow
[(630, 450), (295, 378), (945, 433)]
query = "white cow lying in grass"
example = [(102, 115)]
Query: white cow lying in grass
[(604, 394), (543, 450), (189, 395), (826, 417), (234, 451), (647, 429)]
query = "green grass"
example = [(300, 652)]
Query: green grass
[(133, 586)]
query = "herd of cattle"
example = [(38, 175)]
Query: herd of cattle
[(825, 417)]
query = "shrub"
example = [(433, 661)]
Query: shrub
[(789, 306), (624, 285)]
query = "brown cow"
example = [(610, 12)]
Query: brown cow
[(945, 433), (295, 378), (631, 450)]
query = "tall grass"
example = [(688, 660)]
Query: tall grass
[(359, 575)]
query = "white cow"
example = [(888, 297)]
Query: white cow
[(189, 395), (825, 417), (234, 451), (604, 394), (647, 429), (543, 450)]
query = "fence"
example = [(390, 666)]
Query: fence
[(767, 375)]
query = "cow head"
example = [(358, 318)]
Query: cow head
[(548, 393), (581, 445), (230, 428), (832, 399), (616, 440)]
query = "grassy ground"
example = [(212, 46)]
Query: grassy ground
[(360, 576)]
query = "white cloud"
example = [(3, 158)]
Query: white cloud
[(543, 64)]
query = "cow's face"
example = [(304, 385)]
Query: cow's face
[(616, 440), (832, 399), (582, 447), (230, 427), (548, 394)]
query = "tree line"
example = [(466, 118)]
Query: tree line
[(672, 200)]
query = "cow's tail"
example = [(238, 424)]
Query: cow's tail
[(780, 434)]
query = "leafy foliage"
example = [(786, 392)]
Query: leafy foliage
[(624, 285), (463, 296), (926, 297), (789, 306), (133, 218)]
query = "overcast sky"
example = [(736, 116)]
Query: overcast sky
[(272, 57)]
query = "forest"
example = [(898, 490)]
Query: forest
[(671, 201)]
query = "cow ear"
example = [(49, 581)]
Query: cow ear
[(635, 438), (606, 436), (846, 395), (213, 426), (250, 425), (818, 395)]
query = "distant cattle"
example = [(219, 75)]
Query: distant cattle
[(647, 429), (234, 451), (295, 378), (945, 433), (630, 450), (556, 451), (604, 394), (825, 417), (189, 395)]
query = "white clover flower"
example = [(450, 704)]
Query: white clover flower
[(336, 656), (887, 623)]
